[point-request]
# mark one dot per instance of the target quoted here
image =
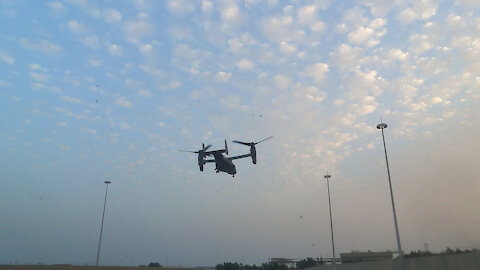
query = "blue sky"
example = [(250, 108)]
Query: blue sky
[(91, 91)]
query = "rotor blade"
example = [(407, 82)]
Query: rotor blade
[(244, 143), (208, 146), (195, 152), (264, 140)]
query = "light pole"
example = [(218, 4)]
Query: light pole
[(101, 228), (383, 126), (327, 176), (131, 260)]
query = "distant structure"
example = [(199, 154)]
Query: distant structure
[(426, 247), (285, 261), (358, 256)]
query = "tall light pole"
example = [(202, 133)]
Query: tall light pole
[(131, 260), (103, 217), (383, 126), (327, 176)]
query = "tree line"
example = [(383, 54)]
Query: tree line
[(305, 263)]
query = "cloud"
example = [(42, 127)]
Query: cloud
[(379, 8), (37, 85), (39, 77), (207, 6), (5, 84), (281, 28), (307, 15), (231, 102), (353, 19), (123, 102), (318, 26), (133, 84), (34, 66), (125, 125), (468, 3), (8, 12), (57, 8), (146, 49), (419, 10), (112, 15), (230, 13), (88, 130), (153, 71), (136, 30), (181, 7), (366, 106), (311, 93), (223, 76), (317, 71), (71, 99), (245, 64), (144, 93), (92, 42), (76, 27), (378, 23), (6, 58), (287, 48), (397, 54), (43, 46), (346, 57), (360, 35), (63, 147), (87, 7), (282, 81), (95, 62), (115, 50), (419, 43)]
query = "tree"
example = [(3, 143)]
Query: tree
[(306, 263), (251, 267), (228, 266), (274, 266), (419, 254)]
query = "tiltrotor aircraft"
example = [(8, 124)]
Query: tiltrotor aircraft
[(224, 163)]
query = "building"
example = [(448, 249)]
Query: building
[(358, 256)]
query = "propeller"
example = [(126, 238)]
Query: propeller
[(203, 150), (201, 155), (253, 143)]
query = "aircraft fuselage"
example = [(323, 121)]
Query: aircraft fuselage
[(223, 164)]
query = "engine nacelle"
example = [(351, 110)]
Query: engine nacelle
[(253, 153), (201, 161)]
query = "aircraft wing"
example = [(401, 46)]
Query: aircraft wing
[(209, 153), (237, 157), (209, 160)]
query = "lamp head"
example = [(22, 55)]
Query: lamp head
[(381, 126)]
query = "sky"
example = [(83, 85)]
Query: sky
[(111, 90)]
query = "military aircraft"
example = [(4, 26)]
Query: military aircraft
[(224, 163)]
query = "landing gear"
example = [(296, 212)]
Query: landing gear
[(217, 171)]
